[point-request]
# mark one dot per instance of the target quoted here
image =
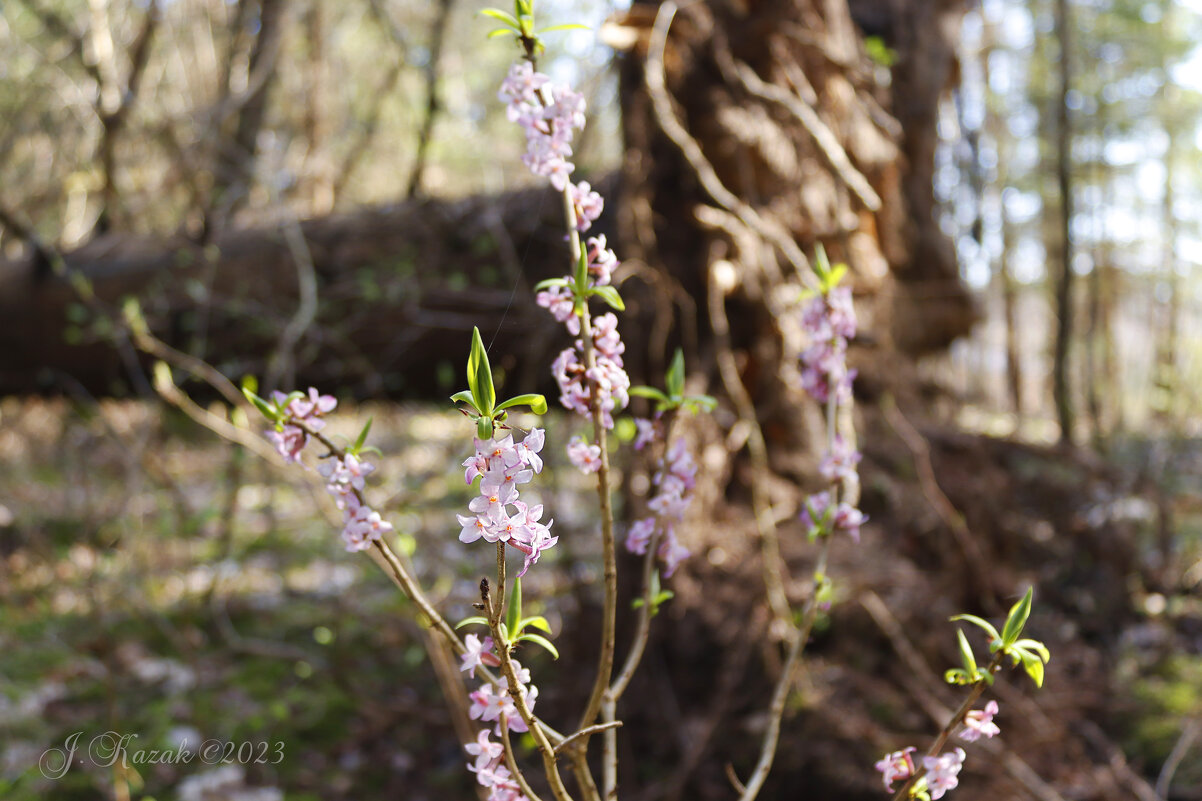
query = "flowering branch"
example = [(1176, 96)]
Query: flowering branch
[(518, 694), (938, 773), (956, 720), (590, 375)]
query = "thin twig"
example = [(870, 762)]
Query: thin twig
[(974, 692), (433, 103), (512, 764), (613, 724), (283, 361), (920, 451), (1188, 734), (773, 564), (776, 710)]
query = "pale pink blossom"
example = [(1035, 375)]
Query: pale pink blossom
[(314, 405), (647, 431), (529, 448), (479, 652), (840, 463), (979, 723), (475, 527), (942, 772), (897, 766), (584, 455), (362, 527), (289, 442), (639, 536), (671, 552), (484, 750), (601, 262), (588, 205)]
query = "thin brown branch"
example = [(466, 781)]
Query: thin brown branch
[(613, 724), (774, 568), (281, 364), (780, 694), (610, 610), (512, 764)]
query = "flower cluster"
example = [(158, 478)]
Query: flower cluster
[(673, 481), (345, 475), (291, 439), (820, 519), (897, 766), (941, 773), (501, 466), (345, 478), (613, 385), (830, 321), (491, 704), (549, 113), (490, 772)]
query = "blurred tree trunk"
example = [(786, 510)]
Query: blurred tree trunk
[(1003, 144), (1165, 374), (1014, 366), (1061, 389)]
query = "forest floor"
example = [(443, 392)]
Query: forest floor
[(158, 582)]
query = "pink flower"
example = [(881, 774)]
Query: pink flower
[(484, 750), (979, 723), (584, 455), (813, 512), (362, 527), (840, 463), (942, 772), (848, 519), (671, 552), (493, 504), (601, 263), (558, 300), (897, 766), (639, 536), (533, 537), (478, 653), (830, 321), (588, 205), (314, 405), (529, 447), (289, 442), (345, 476), (646, 433), (475, 527)]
